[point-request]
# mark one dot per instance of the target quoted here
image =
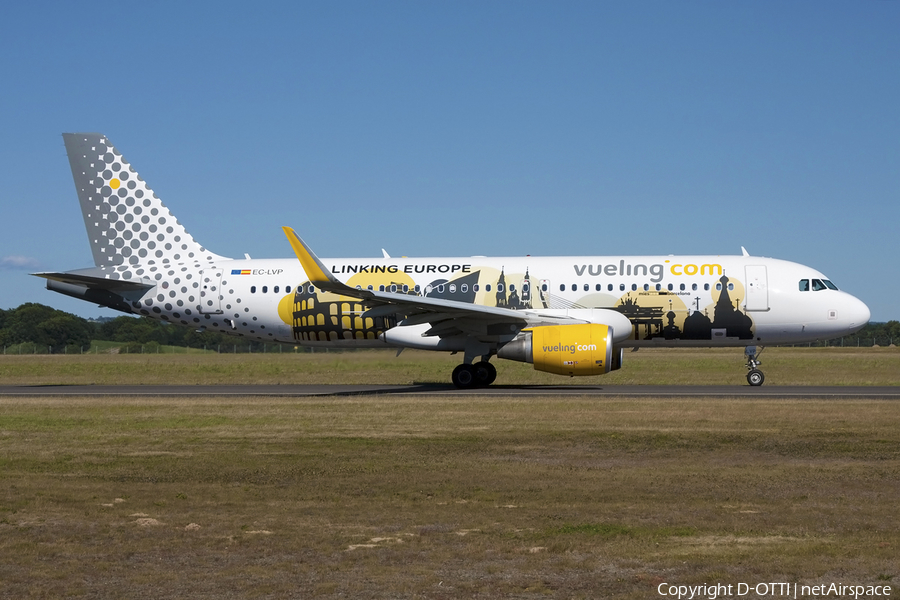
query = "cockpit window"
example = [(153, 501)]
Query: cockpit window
[(830, 285), (804, 285), (818, 285)]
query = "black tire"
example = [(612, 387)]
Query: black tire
[(485, 373), (755, 377), (464, 376)]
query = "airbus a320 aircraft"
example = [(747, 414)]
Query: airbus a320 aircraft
[(570, 315)]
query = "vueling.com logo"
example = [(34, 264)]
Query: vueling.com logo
[(571, 348)]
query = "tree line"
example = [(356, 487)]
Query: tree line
[(56, 331)]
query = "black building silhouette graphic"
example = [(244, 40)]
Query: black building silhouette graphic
[(508, 296), (696, 326), (329, 321)]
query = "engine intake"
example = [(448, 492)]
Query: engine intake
[(582, 349)]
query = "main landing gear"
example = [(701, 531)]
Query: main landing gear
[(479, 374), (755, 377)]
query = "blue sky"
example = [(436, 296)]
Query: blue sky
[(489, 128)]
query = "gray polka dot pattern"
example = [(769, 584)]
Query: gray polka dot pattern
[(127, 224)]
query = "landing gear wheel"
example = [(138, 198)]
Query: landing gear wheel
[(464, 376), (485, 373), (755, 377)]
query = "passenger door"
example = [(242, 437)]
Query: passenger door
[(757, 288), (211, 291)]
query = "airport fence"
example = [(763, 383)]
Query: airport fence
[(154, 348), (133, 348)]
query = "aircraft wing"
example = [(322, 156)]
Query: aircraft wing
[(446, 317)]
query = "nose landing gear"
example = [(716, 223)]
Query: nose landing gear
[(755, 377)]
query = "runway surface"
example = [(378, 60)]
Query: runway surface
[(633, 391)]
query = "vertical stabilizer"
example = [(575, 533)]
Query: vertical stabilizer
[(127, 224)]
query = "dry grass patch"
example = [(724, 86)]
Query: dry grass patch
[(378, 497)]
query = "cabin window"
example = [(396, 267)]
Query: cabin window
[(417, 289), (265, 289), (499, 287), (464, 288), (621, 287), (610, 287), (633, 287), (405, 289), (441, 289), (718, 287), (598, 288), (487, 288), (475, 287), (646, 287), (287, 289), (428, 289), (681, 287), (525, 288), (543, 287), (659, 287), (380, 288), (370, 288), (562, 287), (694, 287), (393, 288), (587, 287), (706, 287), (252, 289), (275, 289), (452, 288), (574, 287), (512, 287)]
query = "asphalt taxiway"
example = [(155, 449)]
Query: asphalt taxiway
[(630, 391)]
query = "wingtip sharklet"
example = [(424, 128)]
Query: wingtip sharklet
[(317, 272)]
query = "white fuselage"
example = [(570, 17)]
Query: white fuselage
[(670, 300)]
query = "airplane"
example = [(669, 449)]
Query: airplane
[(568, 315)]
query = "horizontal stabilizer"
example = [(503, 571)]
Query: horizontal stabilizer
[(86, 279)]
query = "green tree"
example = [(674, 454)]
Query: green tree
[(44, 326)]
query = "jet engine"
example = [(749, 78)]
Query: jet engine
[(582, 349)]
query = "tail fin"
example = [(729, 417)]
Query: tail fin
[(126, 223)]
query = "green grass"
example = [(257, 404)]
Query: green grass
[(107, 347), (782, 366), (374, 497)]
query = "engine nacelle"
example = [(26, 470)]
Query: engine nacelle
[(582, 349)]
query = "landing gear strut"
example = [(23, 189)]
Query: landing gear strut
[(755, 377)]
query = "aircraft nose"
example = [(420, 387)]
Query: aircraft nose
[(857, 313)]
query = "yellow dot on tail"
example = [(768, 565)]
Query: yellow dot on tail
[(114, 183)]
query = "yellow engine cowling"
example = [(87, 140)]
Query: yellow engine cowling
[(582, 349)]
